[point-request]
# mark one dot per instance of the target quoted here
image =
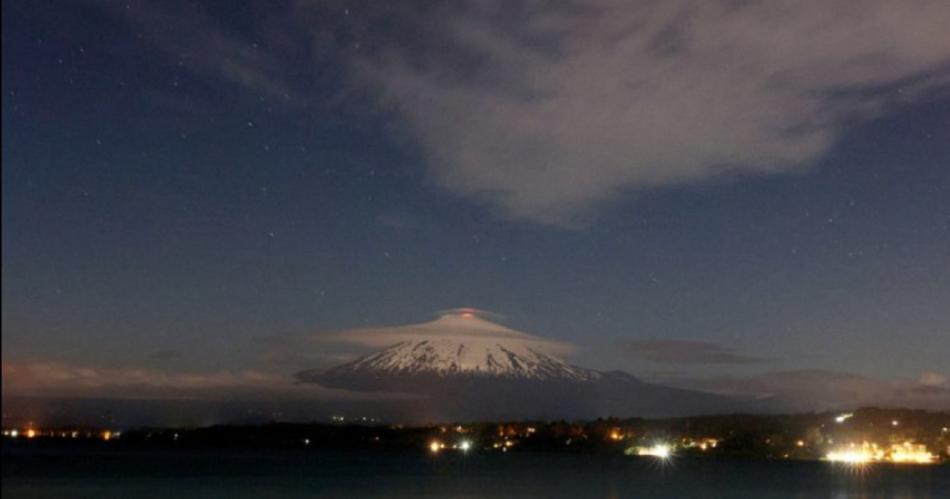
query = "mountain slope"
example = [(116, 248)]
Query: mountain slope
[(473, 357), (468, 368)]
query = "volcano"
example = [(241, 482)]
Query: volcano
[(463, 366)]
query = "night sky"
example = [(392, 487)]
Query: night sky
[(705, 190)]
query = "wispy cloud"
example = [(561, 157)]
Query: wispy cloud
[(291, 353), (931, 378), (166, 354), (685, 352), (398, 220), (59, 379), (547, 110), (804, 390), (192, 39)]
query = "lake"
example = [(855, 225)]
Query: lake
[(38, 471)]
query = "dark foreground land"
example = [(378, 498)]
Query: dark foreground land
[(903, 433), (712, 457)]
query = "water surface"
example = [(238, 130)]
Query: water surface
[(103, 472)]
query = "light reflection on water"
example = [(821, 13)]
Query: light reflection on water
[(233, 475)]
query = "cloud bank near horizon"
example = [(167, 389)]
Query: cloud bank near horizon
[(685, 352), (792, 391), (64, 380), (819, 390)]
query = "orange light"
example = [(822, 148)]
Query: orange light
[(467, 315), (910, 452), (107, 435), (30, 433)]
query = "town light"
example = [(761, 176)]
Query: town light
[(850, 457), (911, 453), (661, 451), (844, 417), (854, 454)]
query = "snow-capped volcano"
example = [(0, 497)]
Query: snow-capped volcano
[(460, 343), (476, 357), (467, 367)]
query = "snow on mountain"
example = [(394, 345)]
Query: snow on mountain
[(460, 342), (466, 367), (473, 356)]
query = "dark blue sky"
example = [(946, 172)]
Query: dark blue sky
[(165, 209)]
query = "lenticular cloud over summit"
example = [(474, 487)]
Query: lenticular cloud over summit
[(470, 326)]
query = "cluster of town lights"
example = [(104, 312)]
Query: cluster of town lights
[(31, 432), (866, 453), (437, 446)]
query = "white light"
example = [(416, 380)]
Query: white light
[(661, 451), (854, 454), (844, 417), (465, 445), (850, 457)]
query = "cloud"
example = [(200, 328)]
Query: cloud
[(165, 354), (644, 97), (398, 220), (934, 379), (58, 379), (461, 325), (192, 39), (805, 390), (291, 353), (548, 110), (685, 352)]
